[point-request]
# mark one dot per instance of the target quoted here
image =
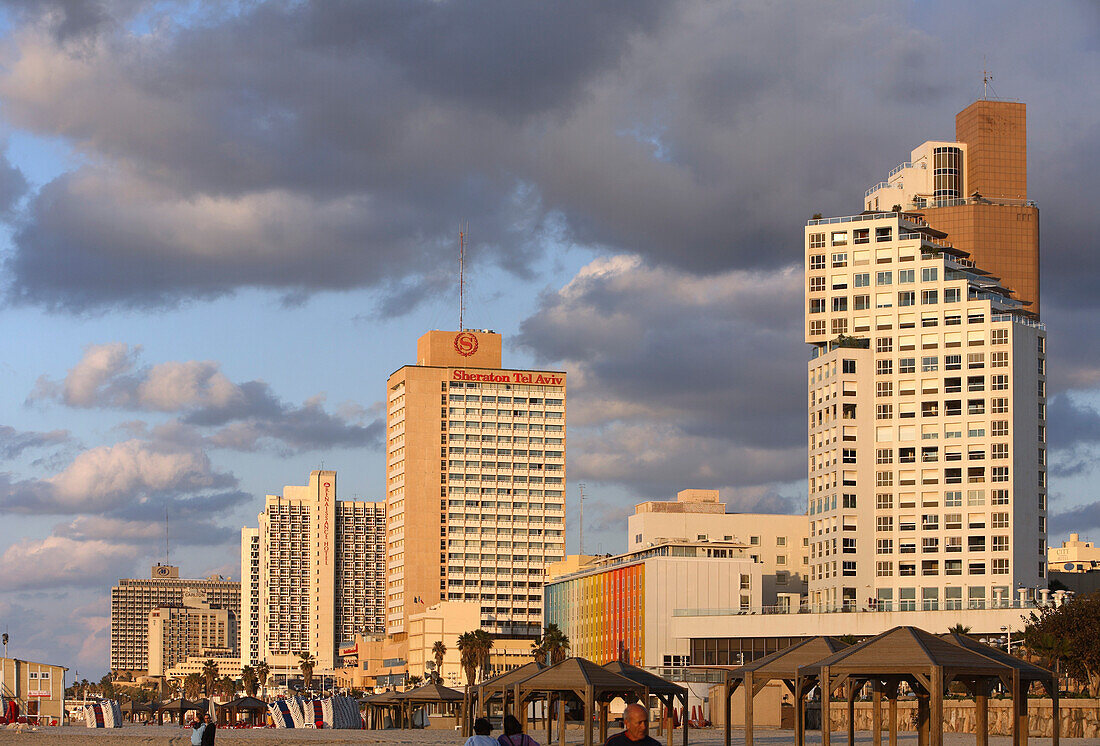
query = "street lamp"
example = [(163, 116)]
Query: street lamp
[(1008, 645)]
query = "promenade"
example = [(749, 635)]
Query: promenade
[(132, 735)]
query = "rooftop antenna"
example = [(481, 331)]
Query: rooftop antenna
[(581, 486), (462, 273), (987, 78)]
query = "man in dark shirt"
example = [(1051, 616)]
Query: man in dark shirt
[(636, 722)]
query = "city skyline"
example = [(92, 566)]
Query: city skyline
[(206, 290)]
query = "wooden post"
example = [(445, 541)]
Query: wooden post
[(747, 685), (876, 713), (685, 720), (519, 707), (1023, 713), (981, 715), (561, 721), (1055, 716), (589, 711), (671, 723), (603, 721), (851, 692), (922, 719), (825, 682), (727, 708), (935, 719), (893, 696), (549, 718), (799, 714), (1015, 707)]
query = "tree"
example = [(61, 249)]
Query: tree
[(468, 656), (438, 651), (106, 686), (249, 680), (192, 686), (414, 680), (1074, 630), (209, 675), (226, 687), (552, 647), (306, 662), (958, 629), (262, 672), (484, 646)]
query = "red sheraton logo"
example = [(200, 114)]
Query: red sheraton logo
[(465, 343), (510, 377)]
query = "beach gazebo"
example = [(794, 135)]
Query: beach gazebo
[(131, 708), (501, 686), (429, 694), (378, 706), (178, 706), (254, 707), (1025, 674), (667, 694), (782, 665), (580, 679), (926, 663)]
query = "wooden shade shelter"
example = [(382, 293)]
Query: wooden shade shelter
[(378, 706), (132, 708), (179, 705), (1025, 674), (428, 694), (925, 662), (665, 691), (501, 686), (783, 665), (251, 705), (579, 678)]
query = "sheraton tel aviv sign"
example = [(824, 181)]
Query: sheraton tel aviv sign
[(512, 376)]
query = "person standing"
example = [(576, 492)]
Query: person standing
[(209, 730), (636, 733), (513, 734), (197, 727)]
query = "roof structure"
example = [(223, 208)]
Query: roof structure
[(654, 683), (1028, 671), (431, 692), (576, 674), (495, 686), (784, 664), (246, 703)]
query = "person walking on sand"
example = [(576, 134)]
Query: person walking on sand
[(636, 723), (513, 734), (197, 727), (209, 730), (481, 737)]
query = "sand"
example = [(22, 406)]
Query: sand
[(132, 735)]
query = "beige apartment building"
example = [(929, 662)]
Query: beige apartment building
[(1074, 556), (444, 622), (475, 483), (134, 598), (38, 688), (927, 428), (194, 629), (312, 575), (779, 543)]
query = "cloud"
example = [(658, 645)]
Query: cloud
[(60, 562), (242, 416), (304, 147), (13, 442), (108, 478), (678, 380)]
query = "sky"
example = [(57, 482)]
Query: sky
[(222, 226)]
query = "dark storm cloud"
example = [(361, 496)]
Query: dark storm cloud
[(1082, 519), (303, 147), (677, 380)]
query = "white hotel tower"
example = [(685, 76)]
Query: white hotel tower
[(927, 427)]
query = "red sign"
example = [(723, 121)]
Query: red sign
[(459, 374), (327, 486), (465, 343)]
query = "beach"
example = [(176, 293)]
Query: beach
[(132, 735)]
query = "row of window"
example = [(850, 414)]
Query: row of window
[(905, 299)]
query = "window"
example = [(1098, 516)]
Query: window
[(884, 344), (952, 295), (817, 261), (884, 367), (861, 235), (884, 569), (884, 478), (952, 499), (998, 406), (929, 274), (998, 360), (849, 569), (861, 303), (907, 569), (817, 240), (883, 234), (906, 276), (929, 364), (840, 304), (975, 360), (754, 541), (884, 501), (906, 298), (976, 383), (840, 326), (884, 411), (884, 523), (952, 362), (884, 278), (999, 544), (1000, 497), (975, 317), (884, 546), (817, 284), (975, 543), (953, 567), (861, 279), (884, 388), (848, 366), (1000, 474), (839, 238), (907, 365), (975, 497), (975, 406), (1000, 566), (849, 455), (929, 297), (999, 337), (999, 450), (884, 455), (848, 546), (849, 501), (817, 305), (840, 260)]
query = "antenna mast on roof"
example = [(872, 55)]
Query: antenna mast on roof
[(461, 273), (986, 79)]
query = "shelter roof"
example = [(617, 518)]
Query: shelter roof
[(503, 681), (430, 692), (784, 664), (651, 681), (178, 704), (247, 703), (1028, 671), (574, 674), (903, 650)]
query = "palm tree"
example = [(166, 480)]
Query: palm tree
[(439, 650), (210, 674), (192, 686), (484, 645), (248, 678), (552, 647), (226, 687), (468, 655), (262, 672), (306, 662), (959, 629)]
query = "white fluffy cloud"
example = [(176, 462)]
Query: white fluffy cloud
[(61, 562)]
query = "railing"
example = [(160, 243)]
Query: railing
[(1016, 319), (689, 675), (882, 185), (851, 218), (902, 167), (809, 608)]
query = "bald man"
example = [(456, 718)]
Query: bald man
[(636, 722)]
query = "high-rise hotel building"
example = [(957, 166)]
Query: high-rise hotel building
[(927, 393), (475, 482), (312, 575)]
